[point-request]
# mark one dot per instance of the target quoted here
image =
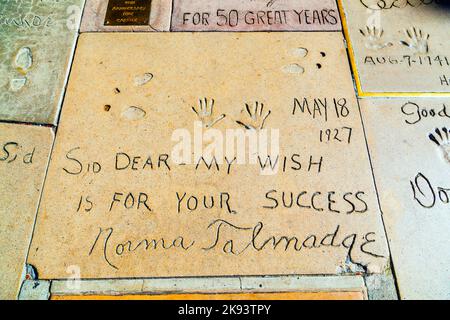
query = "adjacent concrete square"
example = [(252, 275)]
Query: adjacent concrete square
[(399, 46), (24, 153), (409, 146), (36, 46)]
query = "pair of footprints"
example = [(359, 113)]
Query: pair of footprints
[(23, 61), (255, 115), (416, 39), (441, 138)]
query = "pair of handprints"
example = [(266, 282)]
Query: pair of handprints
[(255, 116), (415, 39)]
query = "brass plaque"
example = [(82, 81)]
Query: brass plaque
[(128, 13)]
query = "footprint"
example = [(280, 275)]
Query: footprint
[(133, 113), (17, 84), (300, 52), (143, 79), (293, 68), (441, 138), (24, 59)]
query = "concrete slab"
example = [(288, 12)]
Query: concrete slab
[(310, 214), (408, 143), (24, 154), (36, 47), (398, 46)]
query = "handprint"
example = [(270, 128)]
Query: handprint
[(441, 137), (257, 119), (373, 38), (205, 113), (417, 40)]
